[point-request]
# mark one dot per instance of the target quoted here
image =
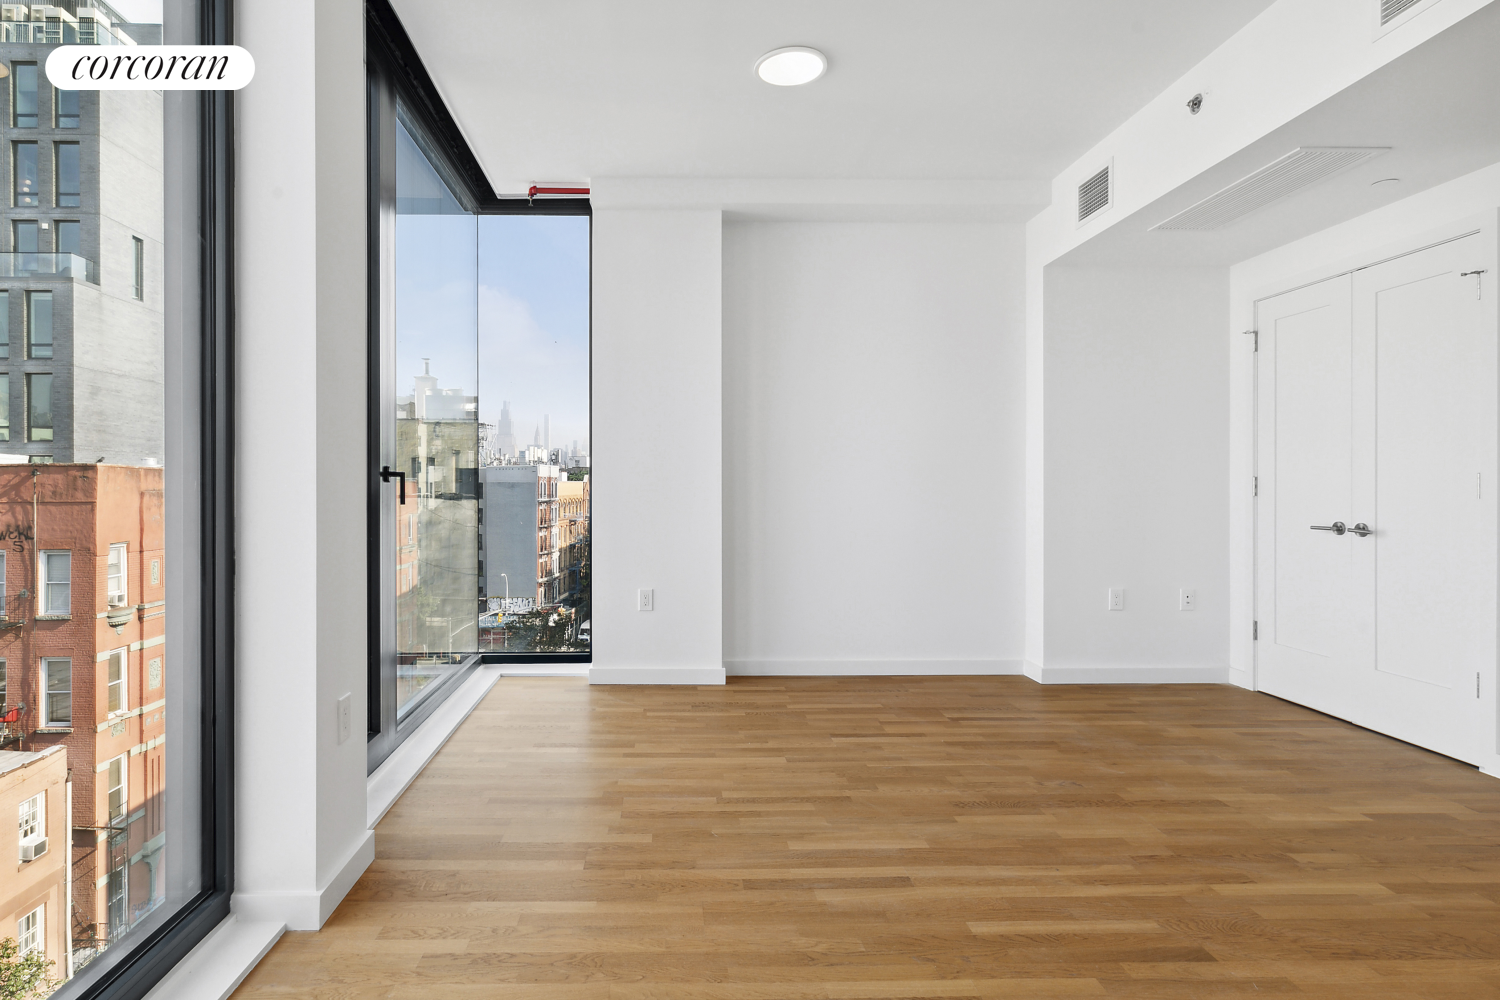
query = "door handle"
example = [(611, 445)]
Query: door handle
[(386, 475), (1337, 527), (1361, 529)]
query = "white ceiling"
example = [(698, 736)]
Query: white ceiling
[(577, 90), (1436, 109)]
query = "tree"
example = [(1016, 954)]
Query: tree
[(24, 977)]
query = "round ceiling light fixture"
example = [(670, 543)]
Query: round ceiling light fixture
[(791, 66)]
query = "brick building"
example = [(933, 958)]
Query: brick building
[(34, 852), (81, 646)]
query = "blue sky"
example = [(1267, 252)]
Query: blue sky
[(520, 284)]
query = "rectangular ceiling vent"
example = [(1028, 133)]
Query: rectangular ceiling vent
[(1093, 195), (1392, 9), (1274, 181)]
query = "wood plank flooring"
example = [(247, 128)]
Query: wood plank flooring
[(848, 838)]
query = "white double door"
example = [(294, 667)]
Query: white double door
[(1377, 413)]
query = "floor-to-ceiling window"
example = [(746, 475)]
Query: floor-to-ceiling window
[(480, 475), (114, 507)]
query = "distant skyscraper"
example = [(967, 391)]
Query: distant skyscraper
[(505, 434)]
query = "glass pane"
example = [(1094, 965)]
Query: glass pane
[(4, 331), (436, 426), (67, 108), (39, 324), (39, 407), (87, 439), (67, 175), (27, 188), (534, 418), (25, 94)]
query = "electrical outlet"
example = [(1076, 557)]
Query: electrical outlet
[(645, 599), (346, 716), (1117, 598), (1187, 600)]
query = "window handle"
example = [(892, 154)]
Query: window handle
[(386, 475)]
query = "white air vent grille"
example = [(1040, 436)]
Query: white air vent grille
[(1392, 9), (1270, 183), (1093, 194)]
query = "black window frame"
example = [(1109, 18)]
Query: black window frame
[(395, 72), (149, 959)]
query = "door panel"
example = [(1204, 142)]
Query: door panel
[(1312, 472), (1304, 436), (1427, 376)]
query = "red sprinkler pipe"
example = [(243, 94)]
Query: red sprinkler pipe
[(541, 190)]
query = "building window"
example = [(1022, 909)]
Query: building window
[(117, 771), (115, 578), (118, 696), (4, 330), (29, 931), (4, 406), (116, 903), (57, 582), (28, 191), (68, 180), (57, 676), (23, 235), (2, 685), (67, 108), (39, 407), (33, 818), (39, 328), (140, 267), (24, 94), (69, 237)]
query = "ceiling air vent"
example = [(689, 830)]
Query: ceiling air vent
[(1392, 9), (1093, 195), (1294, 171)]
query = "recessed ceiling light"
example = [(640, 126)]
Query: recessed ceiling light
[(1386, 180), (791, 66)]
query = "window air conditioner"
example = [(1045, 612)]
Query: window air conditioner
[(33, 847)]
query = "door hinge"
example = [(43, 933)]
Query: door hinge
[(1478, 281), (1255, 630), (1255, 339), (1476, 685), (1255, 488)]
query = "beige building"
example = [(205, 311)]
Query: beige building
[(34, 893)]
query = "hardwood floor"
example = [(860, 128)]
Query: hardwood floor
[(890, 838)]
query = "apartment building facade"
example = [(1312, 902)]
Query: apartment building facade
[(81, 648), (34, 853), (522, 533), (573, 528), (81, 363)]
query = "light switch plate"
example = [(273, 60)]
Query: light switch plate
[(346, 716)]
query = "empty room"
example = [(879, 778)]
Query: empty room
[(1041, 463)]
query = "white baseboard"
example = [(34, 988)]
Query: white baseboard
[(220, 962), (869, 668), (656, 675), (308, 910), (396, 773), (1127, 674), (1241, 678)]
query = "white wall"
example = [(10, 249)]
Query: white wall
[(1136, 456), (301, 837), (873, 460), (657, 517)]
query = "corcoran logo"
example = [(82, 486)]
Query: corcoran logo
[(150, 67)]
